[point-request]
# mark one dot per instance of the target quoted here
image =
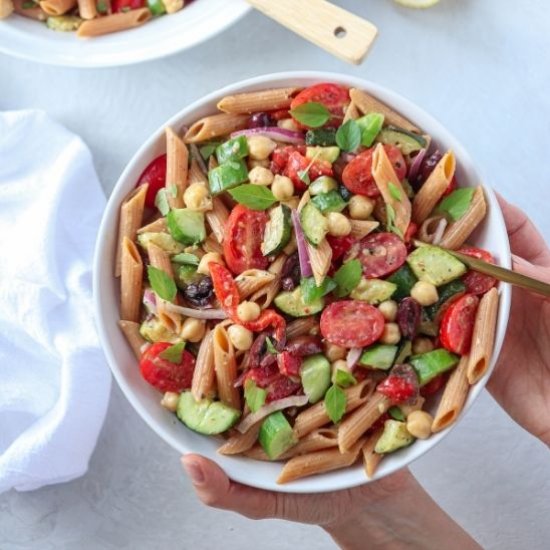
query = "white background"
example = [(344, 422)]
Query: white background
[(481, 67)]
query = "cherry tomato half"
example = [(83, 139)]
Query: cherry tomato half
[(339, 245), (155, 176), (244, 231), (289, 365), (333, 96), (279, 157), (298, 164), (351, 324), (478, 283), (126, 5), (381, 254), (357, 175), (163, 374), (457, 324)]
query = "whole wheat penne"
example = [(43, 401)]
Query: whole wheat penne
[(204, 376), (265, 295), (432, 227), (177, 157), (131, 214), (261, 100), (57, 7), (323, 438), (211, 244), (214, 126), (87, 9), (368, 104), (114, 23), (36, 12), (251, 280), (238, 443), (304, 199), (131, 278), (454, 396), (257, 453), (356, 424), (352, 112), (316, 416), (433, 188), (457, 233), (319, 462), (196, 175), (133, 336), (370, 458), (217, 218), (320, 257), (301, 326), (361, 228), (483, 337), (157, 226), (225, 367)]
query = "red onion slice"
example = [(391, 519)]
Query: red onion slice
[(416, 164), (273, 132), (196, 313), (150, 301), (303, 256), (266, 410), (439, 231), (353, 356)]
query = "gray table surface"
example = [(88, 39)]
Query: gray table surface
[(482, 69)]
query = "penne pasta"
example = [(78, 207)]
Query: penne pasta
[(114, 23), (261, 100), (225, 367), (320, 257), (158, 226), (251, 280), (211, 244), (214, 126), (57, 7), (352, 112), (204, 376), (361, 228), (370, 458), (301, 326), (265, 295), (131, 277), (433, 188), (177, 157), (217, 218), (87, 9), (453, 398), (133, 336), (238, 443), (354, 426), (323, 438), (368, 104), (483, 337), (196, 175), (36, 12), (257, 453), (457, 233)]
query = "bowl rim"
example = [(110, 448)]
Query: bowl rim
[(322, 482)]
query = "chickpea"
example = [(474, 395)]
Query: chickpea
[(240, 337), (282, 188), (334, 353), (419, 424), (196, 197), (248, 311), (170, 401), (340, 364), (288, 124), (260, 176), (206, 259), (391, 334), (260, 147), (338, 224), (389, 310), (424, 293), (360, 208), (253, 163), (193, 330), (422, 345), (172, 6), (293, 202)]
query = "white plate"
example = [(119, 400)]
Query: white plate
[(162, 36), (145, 399)]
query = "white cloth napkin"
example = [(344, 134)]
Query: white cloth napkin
[(54, 381)]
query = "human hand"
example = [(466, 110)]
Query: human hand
[(521, 381)]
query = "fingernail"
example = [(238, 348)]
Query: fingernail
[(193, 470)]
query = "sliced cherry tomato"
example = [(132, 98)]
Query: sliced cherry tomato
[(289, 364), (225, 288), (478, 283), (357, 175), (401, 386), (263, 376), (282, 387), (155, 175), (333, 96), (244, 231), (381, 254), (125, 5), (433, 386), (297, 165), (279, 157), (339, 245), (163, 374), (351, 324), (457, 324)]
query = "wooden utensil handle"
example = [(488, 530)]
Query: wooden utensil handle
[(330, 27)]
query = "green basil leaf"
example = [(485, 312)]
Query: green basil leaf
[(335, 403), (208, 149), (161, 201), (396, 413), (370, 126), (311, 114), (270, 347), (254, 396), (347, 278), (395, 192), (173, 353), (390, 223), (186, 258), (101, 6), (457, 203), (344, 378), (348, 136), (255, 197), (311, 292), (162, 284)]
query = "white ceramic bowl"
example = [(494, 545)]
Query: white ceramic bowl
[(199, 21), (145, 399)]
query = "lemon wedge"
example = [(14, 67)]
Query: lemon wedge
[(417, 3)]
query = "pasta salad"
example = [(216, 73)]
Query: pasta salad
[(286, 281)]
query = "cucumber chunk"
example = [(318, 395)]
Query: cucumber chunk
[(276, 435), (292, 303), (405, 279), (186, 275), (186, 226), (315, 374), (277, 230), (206, 416), (226, 176), (379, 356), (321, 136), (154, 331), (432, 364), (405, 351), (395, 436), (435, 265), (408, 142), (328, 154), (162, 240), (323, 184), (373, 291), (446, 292), (314, 224), (329, 202), (232, 149)]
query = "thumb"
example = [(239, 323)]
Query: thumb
[(521, 265)]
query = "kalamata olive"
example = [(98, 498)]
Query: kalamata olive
[(426, 168), (290, 272), (345, 193), (290, 263), (287, 284), (304, 345), (261, 120), (201, 293), (409, 314), (257, 350)]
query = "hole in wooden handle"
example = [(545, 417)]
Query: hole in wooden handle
[(340, 32)]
